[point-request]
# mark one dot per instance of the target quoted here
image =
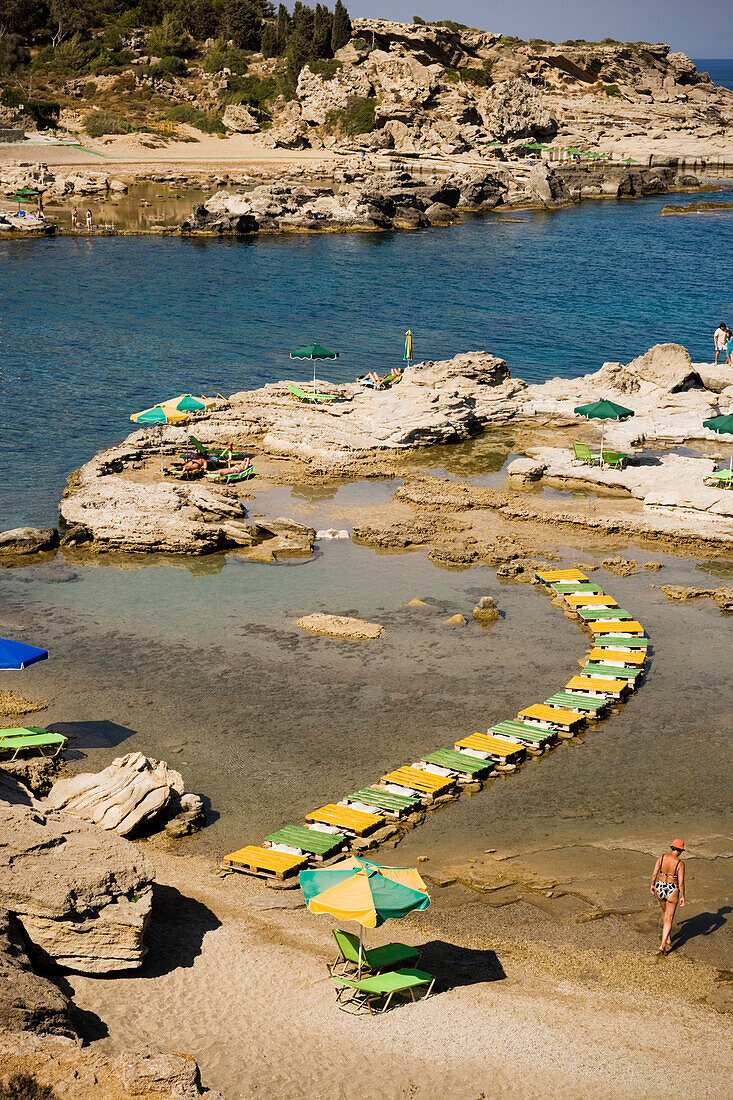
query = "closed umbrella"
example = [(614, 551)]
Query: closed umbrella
[(603, 410), (723, 425), (314, 352), (407, 354), (358, 890), (15, 656)]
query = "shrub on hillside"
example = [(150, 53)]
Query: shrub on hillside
[(169, 38), (21, 1086), (358, 118), (100, 123), (612, 90), (185, 112), (223, 56)]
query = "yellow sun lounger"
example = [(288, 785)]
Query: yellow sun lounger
[(265, 862), (615, 688), (343, 817), (617, 656), (551, 716), (555, 576), (415, 779), (508, 751), (615, 627), (590, 599)]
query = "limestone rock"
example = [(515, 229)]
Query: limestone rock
[(486, 611), (84, 1073), (455, 620), (28, 540), (83, 896), (525, 469), (131, 791), (28, 1002), (318, 96), (240, 118), (187, 815), (340, 626), (514, 110), (621, 567)]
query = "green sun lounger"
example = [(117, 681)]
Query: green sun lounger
[(461, 762), (592, 705), (225, 479), (388, 957), (616, 672), (583, 454), (383, 987), (519, 731), (619, 641), (220, 453), (594, 614), (387, 801), (569, 588), (15, 741), (313, 842), (615, 459), (311, 398), (720, 477)]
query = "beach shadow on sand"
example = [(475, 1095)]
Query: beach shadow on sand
[(704, 924), (176, 932), (91, 735), (454, 966)]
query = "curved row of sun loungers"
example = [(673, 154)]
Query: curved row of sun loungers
[(611, 670)]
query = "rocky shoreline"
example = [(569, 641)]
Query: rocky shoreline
[(118, 501)]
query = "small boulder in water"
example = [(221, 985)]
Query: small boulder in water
[(340, 626)]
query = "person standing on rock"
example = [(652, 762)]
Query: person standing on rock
[(668, 884), (74, 218), (89, 219), (729, 346), (720, 338)]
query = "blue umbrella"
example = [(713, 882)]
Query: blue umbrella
[(17, 655)]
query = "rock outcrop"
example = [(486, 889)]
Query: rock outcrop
[(486, 612), (28, 1001), (82, 896), (75, 1073), (340, 626), (515, 110), (131, 793), (28, 540)]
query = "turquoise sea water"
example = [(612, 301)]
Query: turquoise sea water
[(94, 329)]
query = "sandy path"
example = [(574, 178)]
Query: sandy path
[(237, 977)]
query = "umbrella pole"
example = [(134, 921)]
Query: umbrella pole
[(361, 944), (314, 378), (603, 425)]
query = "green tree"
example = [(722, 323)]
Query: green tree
[(22, 17), (68, 17), (270, 46), (282, 29), (298, 53), (170, 38), (341, 32), (244, 24), (322, 31), (202, 18)]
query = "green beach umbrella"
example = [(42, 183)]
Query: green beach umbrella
[(604, 410), (359, 890), (723, 425), (314, 352), (158, 415)]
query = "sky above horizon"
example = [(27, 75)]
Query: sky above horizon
[(699, 30)]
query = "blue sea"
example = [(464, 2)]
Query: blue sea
[(720, 69), (92, 330)]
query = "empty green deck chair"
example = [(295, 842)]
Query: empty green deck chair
[(583, 454), (616, 672), (591, 705), (620, 641), (519, 731), (569, 588), (314, 842), (311, 398), (371, 991), (461, 762), (593, 614), (222, 453), (388, 957), (386, 801), (615, 459), (723, 478), (31, 738)]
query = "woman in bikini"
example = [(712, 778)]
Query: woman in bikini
[(668, 884)]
